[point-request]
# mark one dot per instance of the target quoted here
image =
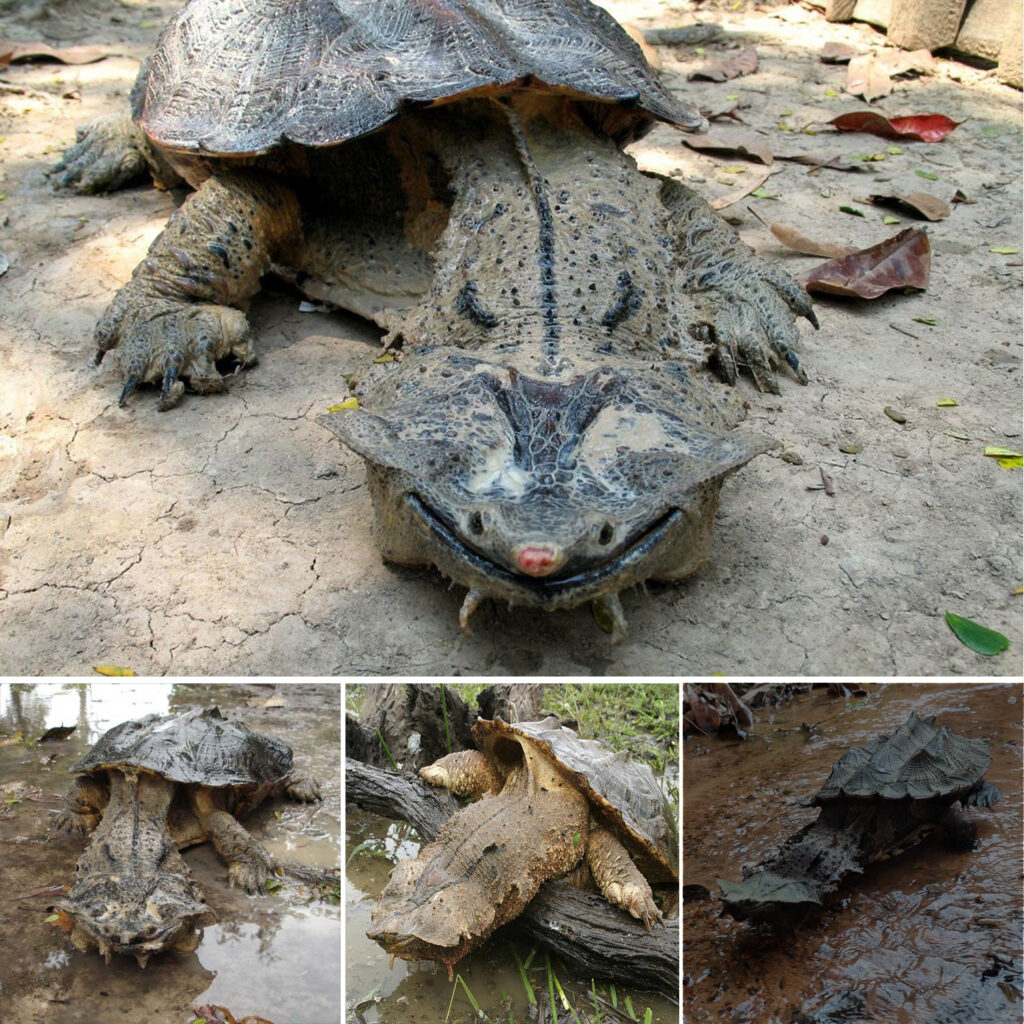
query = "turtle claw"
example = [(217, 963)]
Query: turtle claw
[(128, 390), (610, 617)]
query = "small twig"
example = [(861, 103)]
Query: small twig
[(38, 892), (827, 483), (909, 334)]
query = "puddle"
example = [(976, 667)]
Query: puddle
[(929, 937), (275, 955), (411, 993)]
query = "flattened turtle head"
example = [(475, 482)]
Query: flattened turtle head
[(426, 913), (543, 490), (134, 916)]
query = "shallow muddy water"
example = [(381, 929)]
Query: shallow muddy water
[(275, 955), (412, 993), (928, 937)]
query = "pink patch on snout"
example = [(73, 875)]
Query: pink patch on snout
[(538, 561)]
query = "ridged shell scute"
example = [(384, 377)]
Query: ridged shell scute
[(236, 77), (623, 792), (919, 761), (199, 746)]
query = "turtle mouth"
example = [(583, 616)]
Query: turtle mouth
[(554, 589)]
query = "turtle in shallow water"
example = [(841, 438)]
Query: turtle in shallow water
[(877, 802), (148, 788), (545, 431), (551, 805)]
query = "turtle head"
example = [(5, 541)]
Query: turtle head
[(428, 913), (543, 490), (133, 916)]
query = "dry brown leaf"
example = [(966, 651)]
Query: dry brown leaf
[(761, 175), (837, 53), (871, 74), (929, 207), (793, 239), (744, 143), (903, 261), (743, 62)]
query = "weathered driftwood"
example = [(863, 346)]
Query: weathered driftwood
[(590, 935), (399, 710)]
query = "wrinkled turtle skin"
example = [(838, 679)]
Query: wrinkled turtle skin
[(878, 801), (547, 432), (551, 805), (147, 789)]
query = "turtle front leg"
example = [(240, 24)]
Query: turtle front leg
[(618, 877), (86, 800), (466, 773), (960, 829), (746, 307), (108, 153), (249, 865), (302, 787), (178, 314)]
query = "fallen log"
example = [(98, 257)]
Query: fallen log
[(590, 935)]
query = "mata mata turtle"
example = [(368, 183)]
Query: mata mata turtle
[(545, 431), (147, 789), (877, 802), (551, 805)]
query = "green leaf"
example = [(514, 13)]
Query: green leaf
[(929, 320), (946, 403), (852, 210), (930, 175), (112, 670), (1004, 250), (576, 839), (271, 884), (894, 150), (51, 919), (1001, 453), (891, 220), (831, 94), (762, 193), (976, 637), (958, 434)]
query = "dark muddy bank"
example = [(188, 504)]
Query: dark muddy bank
[(275, 955), (930, 937)]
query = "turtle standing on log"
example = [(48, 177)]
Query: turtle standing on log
[(550, 805), (547, 432)]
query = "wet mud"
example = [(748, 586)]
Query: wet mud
[(274, 955), (928, 937)]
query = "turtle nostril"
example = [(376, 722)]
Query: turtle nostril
[(606, 534), (476, 523)]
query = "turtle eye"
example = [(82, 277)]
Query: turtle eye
[(606, 534), (476, 524)]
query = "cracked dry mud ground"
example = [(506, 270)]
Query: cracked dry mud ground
[(232, 535)]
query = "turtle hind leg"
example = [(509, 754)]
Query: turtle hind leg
[(982, 794), (465, 773), (86, 800), (249, 865), (619, 878)]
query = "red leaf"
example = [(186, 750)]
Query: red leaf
[(915, 128), (903, 261)]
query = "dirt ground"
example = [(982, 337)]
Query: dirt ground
[(233, 534)]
